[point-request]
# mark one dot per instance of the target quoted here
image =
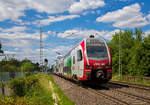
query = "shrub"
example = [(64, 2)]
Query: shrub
[(22, 101), (14, 101), (18, 86), (21, 86), (7, 101)]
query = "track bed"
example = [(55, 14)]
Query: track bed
[(109, 94)]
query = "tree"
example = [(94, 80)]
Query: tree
[(139, 33), (9, 68), (36, 67), (27, 67), (134, 63), (145, 60), (126, 43), (1, 51), (135, 52)]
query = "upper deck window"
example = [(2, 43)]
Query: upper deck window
[(96, 49)]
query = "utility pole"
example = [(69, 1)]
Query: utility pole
[(41, 49)]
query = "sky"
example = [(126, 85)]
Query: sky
[(65, 23)]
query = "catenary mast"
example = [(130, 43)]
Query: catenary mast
[(41, 48)]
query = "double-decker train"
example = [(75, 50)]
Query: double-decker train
[(89, 61)]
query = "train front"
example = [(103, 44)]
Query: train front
[(98, 65)]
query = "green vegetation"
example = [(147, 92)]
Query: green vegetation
[(135, 53), (14, 101), (132, 80), (63, 100), (14, 65), (37, 89), (1, 51), (27, 66)]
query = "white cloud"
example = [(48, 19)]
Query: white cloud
[(21, 44), (25, 45), (50, 53), (61, 49), (50, 6), (52, 19), (9, 52), (12, 9), (14, 29), (127, 17), (147, 33), (21, 35), (77, 33), (87, 12), (148, 17), (39, 16), (82, 5)]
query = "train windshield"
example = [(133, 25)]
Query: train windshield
[(96, 49)]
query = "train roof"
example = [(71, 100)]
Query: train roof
[(90, 37)]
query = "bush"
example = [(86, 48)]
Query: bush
[(14, 101), (35, 90), (21, 86), (22, 101), (7, 101), (18, 86)]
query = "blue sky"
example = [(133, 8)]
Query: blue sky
[(65, 23)]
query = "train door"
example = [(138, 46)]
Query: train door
[(74, 71), (69, 65), (80, 62)]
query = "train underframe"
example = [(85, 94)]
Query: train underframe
[(98, 76)]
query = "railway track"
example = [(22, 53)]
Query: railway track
[(124, 84), (120, 95), (115, 94), (113, 100), (101, 98), (126, 98)]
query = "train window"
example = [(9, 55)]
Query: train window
[(96, 49), (73, 59), (79, 55)]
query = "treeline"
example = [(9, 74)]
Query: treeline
[(134, 52), (14, 65)]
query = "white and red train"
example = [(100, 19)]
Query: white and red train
[(89, 61)]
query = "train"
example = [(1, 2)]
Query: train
[(89, 62)]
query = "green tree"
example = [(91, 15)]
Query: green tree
[(134, 63), (1, 51), (139, 33), (145, 60), (27, 67), (126, 43), (134, 51), (9, 68)]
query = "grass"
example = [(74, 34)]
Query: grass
[(138, 81), (63, 100), (39, 93)]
